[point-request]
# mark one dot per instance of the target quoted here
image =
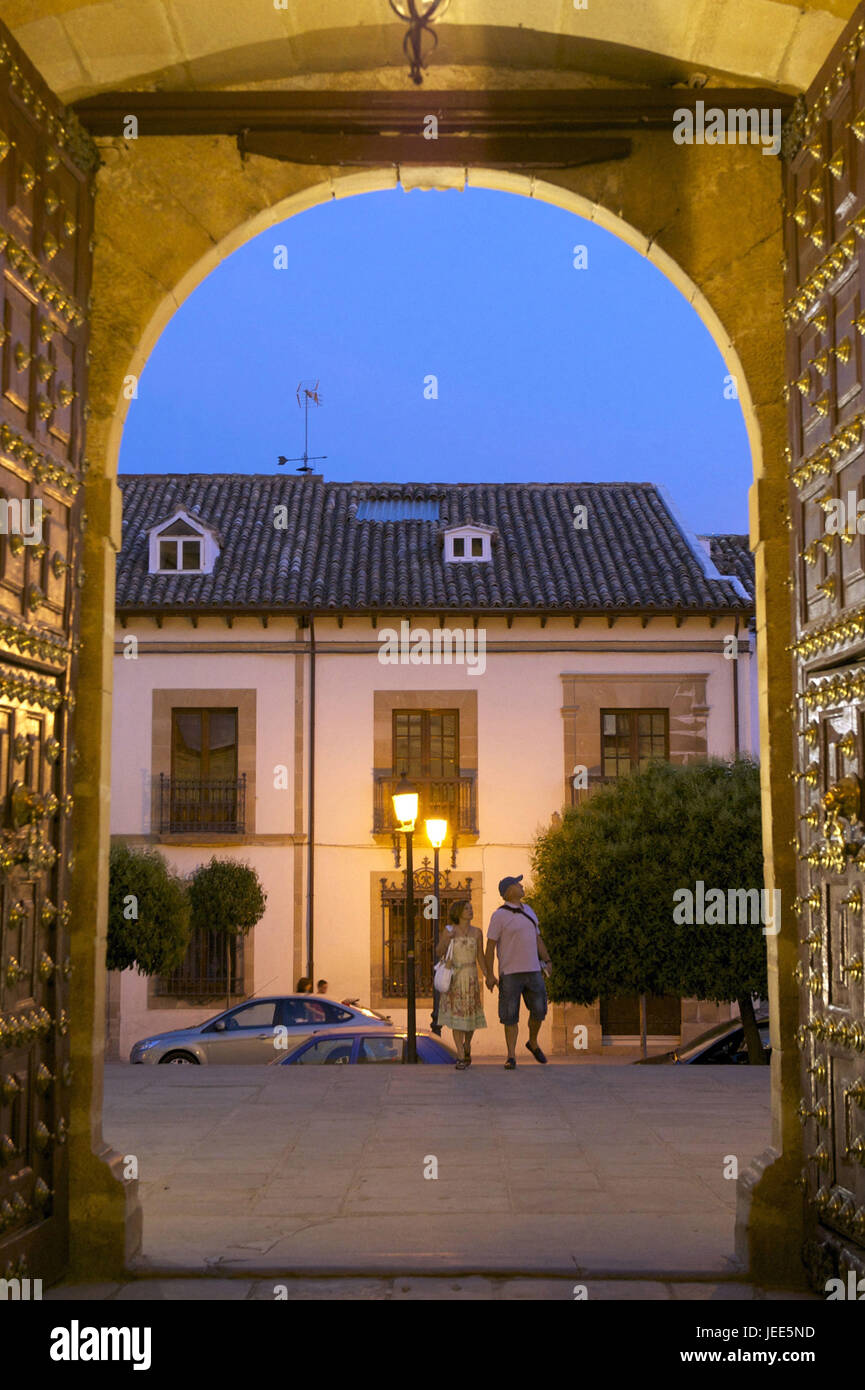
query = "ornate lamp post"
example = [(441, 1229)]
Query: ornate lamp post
[(405, 803), (437, 832)]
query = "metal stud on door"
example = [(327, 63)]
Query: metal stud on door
[(824, 177), (45, 220)]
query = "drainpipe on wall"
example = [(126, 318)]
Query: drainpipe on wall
[(735, 666), (310, 815)]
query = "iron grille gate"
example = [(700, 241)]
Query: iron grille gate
[(212, 969), (393, 928), (824, 178), (45, 229)]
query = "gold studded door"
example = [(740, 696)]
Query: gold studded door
[(824, 173), (45, 220)]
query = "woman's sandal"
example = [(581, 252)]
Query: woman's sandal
[(461, 1065)]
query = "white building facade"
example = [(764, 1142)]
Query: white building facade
[(287, 648)]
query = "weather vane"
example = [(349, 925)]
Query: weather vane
[(306, 391), (419, 23)]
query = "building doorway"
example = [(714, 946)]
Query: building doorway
[(620, 1016)]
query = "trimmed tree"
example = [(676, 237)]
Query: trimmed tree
[(226, 896), (602, 889), (605, 880), (724, 957), (148, 913)]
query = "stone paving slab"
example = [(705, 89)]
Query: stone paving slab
[(413, 1288), (553, 1170), (582, 1243)]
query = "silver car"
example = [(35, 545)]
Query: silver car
[(253, 1032)]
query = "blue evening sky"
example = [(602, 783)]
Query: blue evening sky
[(545, 373)]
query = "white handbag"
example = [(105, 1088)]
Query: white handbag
[(443, 973)]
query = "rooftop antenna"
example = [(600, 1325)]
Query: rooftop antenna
[(306, 391)]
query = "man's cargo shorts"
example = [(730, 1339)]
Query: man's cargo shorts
[(528, 984)]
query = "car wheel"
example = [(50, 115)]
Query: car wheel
[(179, 1059)]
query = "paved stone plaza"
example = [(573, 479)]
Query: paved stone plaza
[(415, 1288), (562, 1172)]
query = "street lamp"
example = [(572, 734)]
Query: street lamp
[(436, 831), (405, 802)]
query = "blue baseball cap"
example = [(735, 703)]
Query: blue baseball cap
[(506, 884)]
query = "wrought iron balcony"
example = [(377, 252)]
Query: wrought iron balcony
[(454, 798), (215, 806)]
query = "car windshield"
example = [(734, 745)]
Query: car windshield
[(720, 1033), (369, 1013), (717, 1035)]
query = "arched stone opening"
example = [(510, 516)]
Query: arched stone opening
[(175, 44), (168, 211)]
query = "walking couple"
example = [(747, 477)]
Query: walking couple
[(514, 934)]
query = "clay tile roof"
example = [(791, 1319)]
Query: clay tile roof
[(633, 556), (731, 554)]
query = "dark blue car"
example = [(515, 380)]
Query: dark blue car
[(339, 1047)]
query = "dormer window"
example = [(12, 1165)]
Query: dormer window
[(176, 552), (468, 543), (182, 545)]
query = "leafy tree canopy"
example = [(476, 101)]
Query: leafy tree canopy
[(605, 880), (148, 913), (722, 848), (226, 896)]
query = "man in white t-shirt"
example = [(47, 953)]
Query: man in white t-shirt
[(515, 934)]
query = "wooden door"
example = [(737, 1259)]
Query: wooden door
[(620, 1015), (45, 230), (824, 175)]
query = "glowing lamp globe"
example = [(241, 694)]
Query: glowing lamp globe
[(405, 801), (437, 831)]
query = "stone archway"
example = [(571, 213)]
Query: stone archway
[(172, 44), (168, 210)]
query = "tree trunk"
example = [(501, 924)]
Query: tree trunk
[(756, 1051), (227, 972), (643, 1048)]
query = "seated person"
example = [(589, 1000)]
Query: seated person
[(307, 1011)]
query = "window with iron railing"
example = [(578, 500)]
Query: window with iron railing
[(213, 806), (211, 969), (426, 749), (453, 798), (203, 792), (393, 926)]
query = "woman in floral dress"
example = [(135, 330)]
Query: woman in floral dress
[(461, 1009)]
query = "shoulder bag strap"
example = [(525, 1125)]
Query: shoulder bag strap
[(522, 913)]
